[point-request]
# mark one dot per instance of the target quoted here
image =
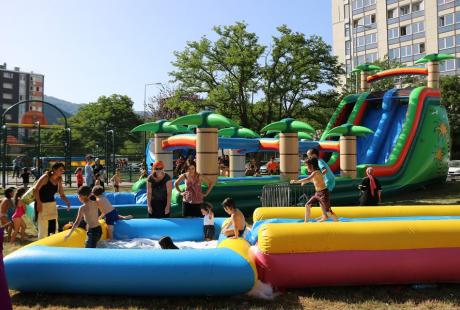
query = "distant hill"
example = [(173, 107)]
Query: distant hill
[(53, 116)]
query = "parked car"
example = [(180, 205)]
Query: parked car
[(263, 169), (454, 169)]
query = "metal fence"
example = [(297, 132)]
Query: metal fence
[(285, 194)]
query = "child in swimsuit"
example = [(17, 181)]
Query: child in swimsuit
[(116, 180), (109, 213), (6, 210), (321, 195), (208, 221), (89, 212), (19, 225), (237, 221)]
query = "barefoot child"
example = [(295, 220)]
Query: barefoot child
[(116, 180), (89, 212), (109, 213), (19, 225), (6, 210), (208, 221), (237, 221), (321, 195), (79, 176)]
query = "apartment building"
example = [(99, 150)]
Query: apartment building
[(16, 86), (403, 30)]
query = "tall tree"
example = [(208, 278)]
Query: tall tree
[(225, 71), (450, 98), (294, 70), (90, 123)]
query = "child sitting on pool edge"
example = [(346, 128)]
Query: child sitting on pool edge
[(237, 221), (208, 221), (321, 195), (109, 213), (89, 212)]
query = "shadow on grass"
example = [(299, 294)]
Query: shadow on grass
[(353, 297), (54, 301)]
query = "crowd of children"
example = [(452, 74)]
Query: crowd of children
[(96, 206)]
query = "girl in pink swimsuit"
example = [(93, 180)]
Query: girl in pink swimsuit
[(18, 222)]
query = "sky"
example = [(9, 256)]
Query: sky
[(89, 48)]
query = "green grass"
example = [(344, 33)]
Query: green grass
[(365, 297)]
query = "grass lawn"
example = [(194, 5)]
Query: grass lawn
[(367, 297)]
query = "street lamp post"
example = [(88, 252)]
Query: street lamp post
[(113, 151), (39, 166)]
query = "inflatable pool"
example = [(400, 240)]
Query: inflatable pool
[(371, 245), (53, 265)]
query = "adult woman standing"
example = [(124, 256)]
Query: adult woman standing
[(48, 185), (192, 195), (159, 189)]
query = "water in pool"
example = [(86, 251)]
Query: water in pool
[(150, 244)]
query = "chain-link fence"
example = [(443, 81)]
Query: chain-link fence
[(285, 194)]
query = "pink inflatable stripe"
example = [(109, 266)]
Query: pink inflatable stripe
[(359, 267), (5, 301)]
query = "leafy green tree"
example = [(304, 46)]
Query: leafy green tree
[(90, 123), (450, 98), (225, 71), (293, 72)]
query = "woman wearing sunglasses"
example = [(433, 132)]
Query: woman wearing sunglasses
[(159, 188)]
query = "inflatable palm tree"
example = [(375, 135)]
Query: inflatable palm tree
[(289, 145), (348, 158), (364, 69), (433, 67), (206, 123), (162, 130), (237, 160)]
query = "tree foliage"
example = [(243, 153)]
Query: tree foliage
[(450, 98), (244, 80)]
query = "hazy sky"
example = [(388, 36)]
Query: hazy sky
[(88, 48)]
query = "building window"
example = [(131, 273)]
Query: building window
[(417, 6), (419, 48), (446, 42), (404, 10), (359, 4), (457, 40), (418, 27), (441, 2), (346, 11), (37, 88), (392, 13), (393, 53), (393, 33), (7, 96), (371, 57), (6, 106), (357, 22), (348, 66), (360, 41), (404, 30), (347, 30), (446, 20), (7, 85), (447, 65), (371, 38), (347, 48), (8, 75), (369, 20), (406, 51), (8, 117), (21, 97)]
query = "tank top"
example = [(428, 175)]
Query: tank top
[(207, 220), (193, 192), (159, 190), (48, 191)]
